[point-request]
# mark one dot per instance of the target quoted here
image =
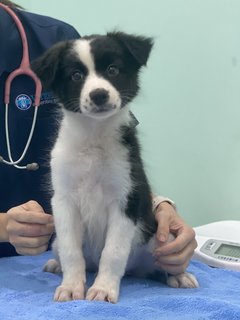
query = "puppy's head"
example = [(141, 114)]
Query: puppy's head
[(95, 75)]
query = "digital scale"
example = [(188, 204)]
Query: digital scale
[(219, 244)]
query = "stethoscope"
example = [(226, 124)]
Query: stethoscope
[(24, 69)]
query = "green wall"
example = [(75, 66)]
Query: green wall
[(189, 106)]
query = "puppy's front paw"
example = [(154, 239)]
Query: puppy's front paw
[(52, 266), (68, 293), (106, 292), (183, 280)]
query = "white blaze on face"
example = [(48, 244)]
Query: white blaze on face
[(93, 82)]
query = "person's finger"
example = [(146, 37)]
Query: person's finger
[(31, 251), (177, 258), (29, 230), (163, 220), (173, 269), (30, 216), (29, 242), (178, 244)]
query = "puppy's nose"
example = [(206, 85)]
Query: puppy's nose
[(99, 96)]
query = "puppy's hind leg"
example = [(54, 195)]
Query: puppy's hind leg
[(53, 265), (182, 280)]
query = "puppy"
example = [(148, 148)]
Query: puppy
[(102, 202)]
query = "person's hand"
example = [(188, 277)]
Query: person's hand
[(173, 257), (29, 228)]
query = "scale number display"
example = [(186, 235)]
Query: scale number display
[(222, 250)]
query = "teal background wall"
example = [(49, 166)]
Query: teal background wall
[(189, 106)]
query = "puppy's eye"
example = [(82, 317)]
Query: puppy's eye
[(77, 75), (112, 70)]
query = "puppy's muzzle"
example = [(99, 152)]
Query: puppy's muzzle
[(99, 97), (100, 101)]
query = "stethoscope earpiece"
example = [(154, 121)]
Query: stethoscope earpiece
[(24, 69)]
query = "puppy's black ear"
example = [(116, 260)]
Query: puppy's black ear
[(46, 66), (139, 46)]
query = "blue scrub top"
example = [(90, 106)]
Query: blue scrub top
[(19, 186)]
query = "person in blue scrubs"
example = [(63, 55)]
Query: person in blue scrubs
[(26, 223)]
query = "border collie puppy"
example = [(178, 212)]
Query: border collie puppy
[(102, 202)]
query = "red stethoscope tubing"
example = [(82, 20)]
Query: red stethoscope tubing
[(24, 68)]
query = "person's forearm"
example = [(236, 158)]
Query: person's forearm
[(3, 227)]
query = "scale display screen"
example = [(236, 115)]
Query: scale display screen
[(219, 244), (228, 251), (220, 253)]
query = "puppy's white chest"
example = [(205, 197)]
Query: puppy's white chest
[(93, 177), (90, 168), (99, 173)]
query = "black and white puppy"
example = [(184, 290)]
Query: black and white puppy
[(102, 202)]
